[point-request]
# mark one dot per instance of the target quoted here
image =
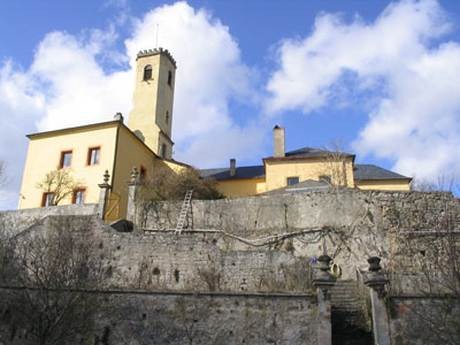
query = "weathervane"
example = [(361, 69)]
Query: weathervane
[(156, 35)]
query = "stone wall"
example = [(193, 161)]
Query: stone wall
[(212, 319), (192, 288), (144, 317), (351, 225), (429, 320), (267, 214), (191, 261), (234, 249), (13, 222)]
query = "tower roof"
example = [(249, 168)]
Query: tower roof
[(156, 51)]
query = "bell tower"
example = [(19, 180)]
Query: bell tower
[(151, 116)]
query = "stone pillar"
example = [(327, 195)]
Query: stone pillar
[(375, 279), (133, 190), (323, 281), (104, 195)]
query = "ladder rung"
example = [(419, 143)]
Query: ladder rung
[(184, 210)]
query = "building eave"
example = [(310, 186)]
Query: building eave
[(70, 129)]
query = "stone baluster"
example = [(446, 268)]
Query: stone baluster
[(376, 281), (323, 281), (133, 191)]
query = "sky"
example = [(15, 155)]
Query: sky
[(376, 78)]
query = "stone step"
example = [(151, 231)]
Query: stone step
[(345, 297)]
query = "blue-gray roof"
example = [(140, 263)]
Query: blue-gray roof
[(373, 172), (314, 152), (254, 171)]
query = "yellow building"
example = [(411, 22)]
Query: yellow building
[(86, 152), (303, 169)]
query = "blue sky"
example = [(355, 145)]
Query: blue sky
[(380, 78)]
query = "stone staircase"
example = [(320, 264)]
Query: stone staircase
[(350, 323)]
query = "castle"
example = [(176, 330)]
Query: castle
[(288, 265), (87, 152)]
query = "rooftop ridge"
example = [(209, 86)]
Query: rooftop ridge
[(155, 51)]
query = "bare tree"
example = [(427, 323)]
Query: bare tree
[(46, 279), (166, 185), (443, 183), (60, 183), (336, 166)]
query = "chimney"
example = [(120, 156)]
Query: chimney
[(278, 141), (232, 167)]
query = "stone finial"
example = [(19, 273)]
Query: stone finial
[(106, 176), (134, 176), (375, 278), (105, 183), (118, 117), (323, 279), (374, 264)]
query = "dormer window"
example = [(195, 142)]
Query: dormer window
[(147, 72), (169, 78)]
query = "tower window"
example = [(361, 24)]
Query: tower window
[(163, 150), (147, 72), (66, 159), (169, 78), (167, 117)]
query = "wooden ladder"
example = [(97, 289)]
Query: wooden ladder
[(184, 211)]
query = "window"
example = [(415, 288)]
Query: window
[(78, 196), (94, 154), (167, 117), (169, 78), (66, 159), (292, 180), (48, 199), (163, 150), (147, 72)]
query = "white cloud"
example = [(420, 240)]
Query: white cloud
[(397, 61), (69, 84), (76, 87), (20, 106), (210, 73)]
